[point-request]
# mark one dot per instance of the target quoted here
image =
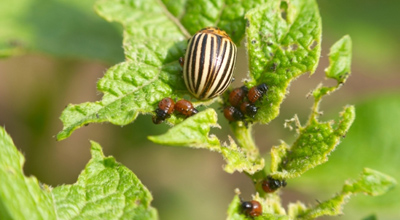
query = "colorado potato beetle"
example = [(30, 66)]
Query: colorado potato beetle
[(248, 109), (237, 95), (209, 63), (164, 110), (270, 184), (185, 108), (257, 92), (233, 114), (252, 208)]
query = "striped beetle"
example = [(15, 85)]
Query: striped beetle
[(209, 63)]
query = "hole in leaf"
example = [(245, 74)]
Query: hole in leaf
[(284, 7), (294, 46), (273, 67), (314, 43)]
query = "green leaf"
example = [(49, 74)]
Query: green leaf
[(370, 182), (65, 28), (340, 60), (246, 154), (271, 206), (153, 44), (339, 66), (241, 159), (155, 35), (194, 132), (21, 197), (104, 190), (316, 140), (227, 15), (372, 141), (284, 41)]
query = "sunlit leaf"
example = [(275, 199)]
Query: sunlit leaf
[(105, 190), (316, 140), (284, 41)]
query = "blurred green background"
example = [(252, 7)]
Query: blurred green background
[(59, 49)]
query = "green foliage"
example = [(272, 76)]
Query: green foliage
[(370, 182), (340, 60), (315, 142), (20, 197), (317, 139), (154, 41), (104, 190), (227, 15), (372, 142), (284, 41), (153, 44), (63, 28), (194, 132), (272, 208)]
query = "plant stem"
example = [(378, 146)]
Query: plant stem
[(245, 141)]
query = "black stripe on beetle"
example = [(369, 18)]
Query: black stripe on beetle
[(209, 63)]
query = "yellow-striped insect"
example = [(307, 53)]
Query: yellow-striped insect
[(209, 63)]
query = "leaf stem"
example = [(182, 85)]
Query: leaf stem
[(244, 138)]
